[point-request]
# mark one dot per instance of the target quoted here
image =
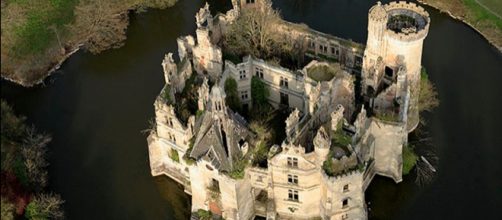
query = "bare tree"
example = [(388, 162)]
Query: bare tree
[(7, 212), (255, 31), (34, 152), (45, 206), (101, 24), (428, 96)]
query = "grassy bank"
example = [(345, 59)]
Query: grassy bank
[(483, 15), (37, 35)]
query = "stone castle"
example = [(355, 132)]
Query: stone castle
[(341, 130)]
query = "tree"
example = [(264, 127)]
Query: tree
[(34, 152), (232, 98), (100, 24), (7, 210), (45, 206), (259, 92), (427, 97), (255, 32)]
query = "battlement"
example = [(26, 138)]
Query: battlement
[(407, 6), (406, 21)]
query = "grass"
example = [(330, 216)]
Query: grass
[(476, 15), (35, 34), (323, 72), (494, 5), (387, 116), (409, 159)]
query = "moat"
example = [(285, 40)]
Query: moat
[(98, 106)]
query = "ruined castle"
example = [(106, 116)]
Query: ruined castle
[(341, 130)]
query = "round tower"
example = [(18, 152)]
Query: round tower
[(396, 32)]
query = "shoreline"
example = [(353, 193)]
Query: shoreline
[(499, 48), (55, 67), (44, 76)]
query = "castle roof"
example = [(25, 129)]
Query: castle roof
[(217, 139)]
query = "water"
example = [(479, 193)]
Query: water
[(96, 106)]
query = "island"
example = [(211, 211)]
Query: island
[(264, 117)]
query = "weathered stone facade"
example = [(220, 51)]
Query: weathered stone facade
[(333, 146)]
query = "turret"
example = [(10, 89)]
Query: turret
[(396, 32), (169, 67), (322, 143)]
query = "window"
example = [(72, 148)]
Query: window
[(284, 99), (345, 203), (346, 188), (323, 49), (293, 195), (170, 121), (244, 95), (242, 74), (259, 179), (259, 72), (250, 1), (292, 162), (293, 179), (284, 82), (215, 185), (312, 44)]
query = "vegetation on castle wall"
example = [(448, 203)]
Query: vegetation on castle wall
[(238, 170), (186, 157), (259, 92), (327, 165), (340, 138), (186, 102), (38, 34), (255, 32), (204, 214), (174, 155), (24, 170), (409, 159), (428, 97), (232, 98)]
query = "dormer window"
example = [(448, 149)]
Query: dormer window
[(292, 162)]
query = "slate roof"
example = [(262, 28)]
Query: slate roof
[(217, 141)]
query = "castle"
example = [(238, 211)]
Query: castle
[(341, 130)]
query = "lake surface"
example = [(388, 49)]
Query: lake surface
[(96, 107)]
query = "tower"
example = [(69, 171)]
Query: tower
[(396, 32)]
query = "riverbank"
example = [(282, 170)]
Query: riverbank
[(39, 35), (478, 17)]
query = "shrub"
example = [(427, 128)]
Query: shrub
[(204, 214), (409, 159), (427, 97), (238, 170)]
